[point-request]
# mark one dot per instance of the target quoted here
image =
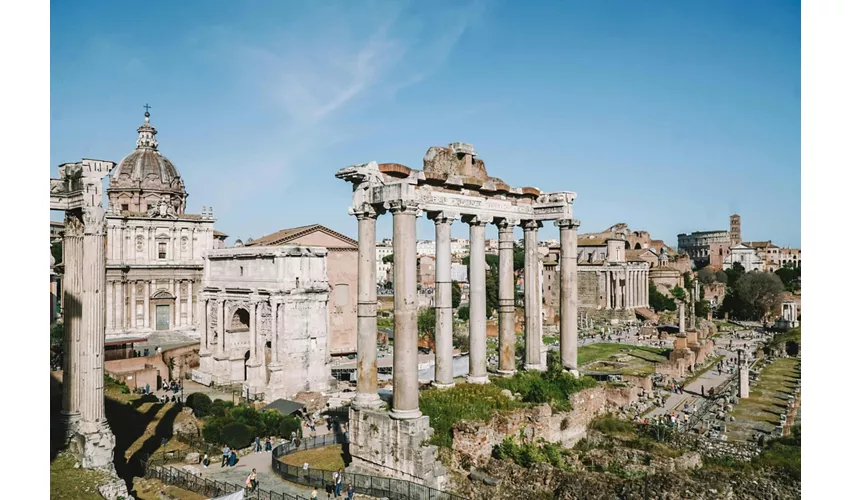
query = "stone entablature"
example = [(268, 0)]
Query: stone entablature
[(452, 186), (264, 319)]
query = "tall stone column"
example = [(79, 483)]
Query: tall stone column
[(405, 344), (507, 305), (72, 256), (256, 373), (367, 311), (443, 361), (681, 318), (607, 276), (202, 326), (618, 295), (275, 328), (477, 303), (694, 298), (569, 293), (743, 376), (221, 327), (178, 304), (94, 436), (533, 340), (133, 306)]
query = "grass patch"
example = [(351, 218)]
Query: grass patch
[(784, 454), (149, 489), (551, 340), (552, 386), (327, 458), (613, 426), (462, 402), (68, 483), (528, 454)]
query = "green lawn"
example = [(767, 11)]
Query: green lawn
[(327, 458), (639, 360), (768, 395), (68, 483)]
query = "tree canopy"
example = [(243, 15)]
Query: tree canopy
[(456, 294), (388, 259)]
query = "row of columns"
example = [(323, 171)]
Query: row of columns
[(405, 348), (626, 288)]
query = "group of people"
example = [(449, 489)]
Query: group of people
[(259, 447), (228, 457)]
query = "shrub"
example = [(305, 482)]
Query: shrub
[(553, 387), (288, 424), (611, 425), (200, 403), (463, 402), (219, 407), (212, 430), (236, 435)]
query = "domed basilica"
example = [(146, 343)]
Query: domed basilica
[(154, 254)]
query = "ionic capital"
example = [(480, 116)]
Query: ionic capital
[(443, 217), (364, 211), (403, 207), (531, 225), (507, 223), (478, 220), (568, 223)]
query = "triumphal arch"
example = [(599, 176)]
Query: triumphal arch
[(453, 186)]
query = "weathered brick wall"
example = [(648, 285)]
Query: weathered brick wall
[(476, 440), (588, 289)]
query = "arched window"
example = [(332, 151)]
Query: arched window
[(638, 247), (241, 321)]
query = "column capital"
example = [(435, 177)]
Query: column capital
[(443, 217), (507, 223), (478, 220), (531, 225), (406, 207), (364, 211), (568, 223)]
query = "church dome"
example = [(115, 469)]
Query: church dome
[(146, 176)]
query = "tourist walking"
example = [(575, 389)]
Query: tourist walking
[(206, 461), (257, 447), (337, 482), (225, 455), (702, 390), (252, 482), (350, 491), (268, 444)]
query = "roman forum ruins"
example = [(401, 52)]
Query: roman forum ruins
[(79, 192), (453, 185)]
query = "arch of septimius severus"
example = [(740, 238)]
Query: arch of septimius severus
[(453, 186)]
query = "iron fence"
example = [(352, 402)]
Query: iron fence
[(209, 487), (381, 487)]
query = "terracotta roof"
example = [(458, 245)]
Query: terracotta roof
[(635, 255), (760, 244), (286, 235), (591, 242), (220, 234)]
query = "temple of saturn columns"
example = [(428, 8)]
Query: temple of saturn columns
[(79, 192), (453, 186)]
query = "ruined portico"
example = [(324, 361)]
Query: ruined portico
[(79, 193), (453, 186)]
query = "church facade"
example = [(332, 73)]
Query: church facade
[(155, 250)]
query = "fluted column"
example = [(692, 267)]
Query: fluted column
[(477, 303), (275, 326), (405, 344), (618, 296), (133, 318), (607, 289), (367, 311), (252, 328), (533, 340), (92, 412), (72, 256), (681, 317), (178, 304), (569, 293), (443, 361), (202, 325), (507, 305), (110, 304), (220, 326)]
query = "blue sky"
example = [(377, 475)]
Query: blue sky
[(668, 116)]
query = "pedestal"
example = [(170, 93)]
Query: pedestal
[(385, 446), (94, 444)]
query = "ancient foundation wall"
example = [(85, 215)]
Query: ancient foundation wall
[(476, 440), (385, 446)]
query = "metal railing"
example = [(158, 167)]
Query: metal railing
[(381, 487), (208, 487)]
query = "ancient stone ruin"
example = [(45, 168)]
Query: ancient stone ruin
[(453, 185)]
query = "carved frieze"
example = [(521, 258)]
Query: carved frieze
[(94, 219), (140, 243), (184, 243), (73, 224)]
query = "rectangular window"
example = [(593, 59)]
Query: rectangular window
[(161, 250), (125, 207)]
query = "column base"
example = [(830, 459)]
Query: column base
[(506, 373), (440, 385), (536, 368), (93, 444), (70, 421), (405, 414), (367, 401), (480, 379), (572, 371)]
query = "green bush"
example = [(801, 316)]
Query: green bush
[(219, 407), (528, 454), (288, 424), (553, 386), (212, 430), (236, 435), (462, 402), (608, 424), (463, 313), (200, 403)]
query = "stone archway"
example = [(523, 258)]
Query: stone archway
[(240, 321)]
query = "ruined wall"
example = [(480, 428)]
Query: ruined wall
[(342, 279), (588, 289), (477, 439)]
